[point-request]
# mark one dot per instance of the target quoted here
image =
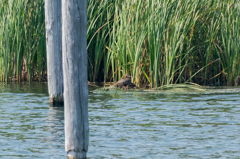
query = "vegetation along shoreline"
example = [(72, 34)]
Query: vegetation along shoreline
[(157, 42)]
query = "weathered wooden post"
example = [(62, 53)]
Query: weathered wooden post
[(53, 25), (74, 17)]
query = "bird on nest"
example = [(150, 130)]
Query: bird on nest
[(125, 83)]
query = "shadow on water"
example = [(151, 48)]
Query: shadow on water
[(35, 87), (122, 125)]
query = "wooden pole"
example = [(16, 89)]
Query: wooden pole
[(53, 25), (74, 17)]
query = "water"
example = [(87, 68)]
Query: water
[(122, 125)]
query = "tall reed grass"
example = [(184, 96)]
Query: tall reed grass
[(22, 39), (158, 42), (162, 42)]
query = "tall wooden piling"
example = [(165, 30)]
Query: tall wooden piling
[(53, 25), (74, 17)]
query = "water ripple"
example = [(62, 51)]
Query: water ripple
[(123, 126)]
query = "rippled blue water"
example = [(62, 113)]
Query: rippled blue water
[(123, 125)]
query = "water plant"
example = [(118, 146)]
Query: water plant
[(158, 42), (22, 39), (168, 41)]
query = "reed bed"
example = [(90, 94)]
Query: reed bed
[(158, 42), (22, 40), (162, 42)]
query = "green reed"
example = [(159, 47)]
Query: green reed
[(100, 19), (158, 42), (22, 39), (227, 44), (161, 42)]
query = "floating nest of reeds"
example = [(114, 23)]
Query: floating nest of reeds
[(187, 87), (112, 87), (182, 87)]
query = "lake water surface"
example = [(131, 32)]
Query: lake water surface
[(140, 125)]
